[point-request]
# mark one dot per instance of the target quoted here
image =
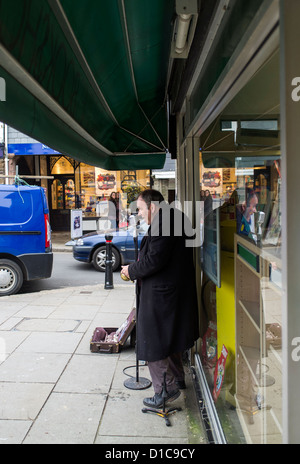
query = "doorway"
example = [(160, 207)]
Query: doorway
[(62, 201)]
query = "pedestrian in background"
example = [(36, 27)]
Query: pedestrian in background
[(113, 211)]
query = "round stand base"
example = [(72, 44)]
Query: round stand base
[(267, 381), (132, 384)]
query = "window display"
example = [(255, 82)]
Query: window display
[(69, 194), (57, 194), (80, 186)]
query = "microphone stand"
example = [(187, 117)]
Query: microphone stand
[(137, 383)]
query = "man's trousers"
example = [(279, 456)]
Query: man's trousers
[(172, 366)]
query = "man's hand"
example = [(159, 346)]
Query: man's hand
[(125, 271)]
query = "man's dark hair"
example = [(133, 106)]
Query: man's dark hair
[(250, 193), (151, 195)]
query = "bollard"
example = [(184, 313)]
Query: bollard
[(108, 263)]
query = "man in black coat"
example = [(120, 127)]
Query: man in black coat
[(168, 312)]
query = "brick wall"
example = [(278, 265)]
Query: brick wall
[(15, 136)]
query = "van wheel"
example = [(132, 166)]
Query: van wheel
[(11, 277), (99, 259)]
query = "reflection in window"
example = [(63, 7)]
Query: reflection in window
[(240, 167)]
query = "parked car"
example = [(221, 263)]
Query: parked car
[(25, 237), (91, 247)]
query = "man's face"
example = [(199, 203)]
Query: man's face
[(144, 212), (251, 209)]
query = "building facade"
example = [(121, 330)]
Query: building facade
[(237, 141), (71, 184), (234, 105)]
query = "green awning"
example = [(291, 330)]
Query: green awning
[(88, 77)]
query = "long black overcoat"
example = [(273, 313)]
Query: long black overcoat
[(167, 299)]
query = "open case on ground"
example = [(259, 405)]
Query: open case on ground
[(112, 339)]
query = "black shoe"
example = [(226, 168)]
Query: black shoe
[(157, 400), (181, 384)]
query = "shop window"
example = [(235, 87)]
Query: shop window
[(70, 194), (80, 186), (61, 166), (94, 186), (240, 175)]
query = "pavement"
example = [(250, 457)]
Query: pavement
[(54, 390)]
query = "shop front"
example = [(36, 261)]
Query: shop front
[(242, 263), (82, 187), (233, 104), (241, 347)]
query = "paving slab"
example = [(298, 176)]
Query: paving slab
[(33, 367), (79, 312), (67, 418), (88, 374), (35, 311), (123, 417), (22, 401), (53, 390), (12, 432), (6, 313), (9, 341), (50, 342), (47, 325)]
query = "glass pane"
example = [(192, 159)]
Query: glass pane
[(57, 194), (233, 27), (62, 166), (70, 194), (240, 173)]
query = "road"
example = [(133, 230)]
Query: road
[(67, 272)]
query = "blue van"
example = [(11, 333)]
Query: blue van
[(25, 237)]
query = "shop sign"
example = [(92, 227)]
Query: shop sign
[(30, 149), (106, 182)]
